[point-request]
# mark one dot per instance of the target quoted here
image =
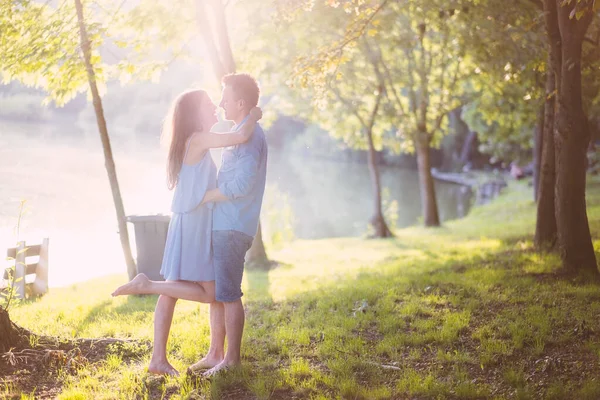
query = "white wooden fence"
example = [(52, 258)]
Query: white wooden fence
[(33, 273)]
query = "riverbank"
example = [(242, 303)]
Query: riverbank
[(464, 311)]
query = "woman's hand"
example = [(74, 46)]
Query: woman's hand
[(256, 113)]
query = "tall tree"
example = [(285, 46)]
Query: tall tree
[(571, 134), (216, 39), (424, 64), (102, 129), (352, 112), (546, 233), (40, 48)]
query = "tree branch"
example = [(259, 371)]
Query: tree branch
[(350, 106), (375, 108), (376, 60), (361, 31), (390, 84), (443, 66), (411, 80), (424, 87), (440, 118)]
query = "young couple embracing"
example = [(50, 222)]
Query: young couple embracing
[(214, 218)]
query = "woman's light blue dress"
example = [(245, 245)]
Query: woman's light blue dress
[(188, 250)]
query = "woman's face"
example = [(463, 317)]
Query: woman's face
[(208, 113)]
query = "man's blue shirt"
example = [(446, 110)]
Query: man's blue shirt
[(242, 178)]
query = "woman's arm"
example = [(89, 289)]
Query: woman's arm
[(212, 140)]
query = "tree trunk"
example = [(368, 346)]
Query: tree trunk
[(206, 33), (545, 228), (428, 200), (571, 140), (538, 140), (11, 336), (108, 158), (465, 154), (546, 235), (380, 227), (256, 257), (223, 36)]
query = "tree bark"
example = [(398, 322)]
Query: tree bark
[(108, 157), (381, 230), (380, 227), (256, 257), (11, 335), (423, 140), (571, 140), (545, 228), (546, 235), (428, 199), (538, 140)]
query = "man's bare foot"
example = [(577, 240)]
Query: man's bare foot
[(223, 366), (138, 285), (162, 368), (207, 362)]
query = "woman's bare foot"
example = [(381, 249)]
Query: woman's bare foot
[(207, 362), (162, 368), (138, 285), (223, 366)]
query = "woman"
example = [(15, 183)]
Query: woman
[(187, 261)]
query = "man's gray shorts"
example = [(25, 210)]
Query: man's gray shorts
[(229, 251)]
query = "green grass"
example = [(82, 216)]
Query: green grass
[(465, 311)]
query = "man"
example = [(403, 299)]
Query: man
[(238, 199)]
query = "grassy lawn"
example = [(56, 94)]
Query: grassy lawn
[(464, 311)]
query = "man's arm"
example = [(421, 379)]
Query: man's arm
[(211, 140), (246, 172)]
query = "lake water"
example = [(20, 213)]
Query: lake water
[(59, 172)]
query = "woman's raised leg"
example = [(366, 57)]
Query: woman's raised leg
[(203, 292)]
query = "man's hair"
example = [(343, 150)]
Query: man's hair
[(245, 86)]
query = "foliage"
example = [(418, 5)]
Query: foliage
[(41, 46), (509, 49), (397, 45), (504, 120)]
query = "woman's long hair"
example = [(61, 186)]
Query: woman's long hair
[(182, 121)]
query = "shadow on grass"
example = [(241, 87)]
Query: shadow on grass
[(137, 303), (259, 286), (91, 316), (487, 311)]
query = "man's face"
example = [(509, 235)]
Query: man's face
[(231, 104)]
